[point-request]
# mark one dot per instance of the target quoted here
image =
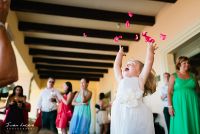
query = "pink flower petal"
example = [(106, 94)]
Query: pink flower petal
[(127, 24), (120, 36), (144, 33), (130, 14), (116, 39), (151, 40), (84, 35), (148, 38), (136, 37), (163, 36)]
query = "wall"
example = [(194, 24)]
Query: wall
[(22, 49)]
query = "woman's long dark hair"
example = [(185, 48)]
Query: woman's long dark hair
[(14, 91), (69, 84)]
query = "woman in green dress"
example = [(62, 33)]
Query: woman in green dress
[(183, 102)]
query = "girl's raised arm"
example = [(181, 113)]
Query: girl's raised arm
[(118, 64), (148, 63)]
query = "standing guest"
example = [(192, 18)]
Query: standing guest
[(183, 100), (129, 115), (102, 114), (164, 93), (47, 105), (8, 65), (15, 105), (65, 110), (81, 119)]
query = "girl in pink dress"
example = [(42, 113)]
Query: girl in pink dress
[(65, 109)]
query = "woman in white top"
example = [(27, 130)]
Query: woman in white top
[(102, 114)]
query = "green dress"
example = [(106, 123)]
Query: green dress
[(186, 107)]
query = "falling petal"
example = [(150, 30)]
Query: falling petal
[(148, 38), (136, 37), (163, 36), (127, 24), (151, 40), (116, 39), (120, 36), (144, 33), (84, 35), (130, 14)]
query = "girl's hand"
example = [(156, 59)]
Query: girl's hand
[(152, 47), (171, 111), (121, 50)]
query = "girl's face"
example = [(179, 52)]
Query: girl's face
[(84, 84), (18, 91), (185, 66), (132, 68), (65, 87)]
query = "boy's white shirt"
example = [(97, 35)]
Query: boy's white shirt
[(164, 91)]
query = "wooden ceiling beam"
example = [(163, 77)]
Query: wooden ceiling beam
[(166, 1), (79, 12), (34, 51), (58, 73), (72, 44), (72, 69), (71, 62), (66, 30)]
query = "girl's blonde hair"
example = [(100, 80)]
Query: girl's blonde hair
[(150, 85)]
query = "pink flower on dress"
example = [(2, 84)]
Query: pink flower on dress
[(130, 98)]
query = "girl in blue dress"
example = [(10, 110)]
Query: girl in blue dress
[(81, 119)]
